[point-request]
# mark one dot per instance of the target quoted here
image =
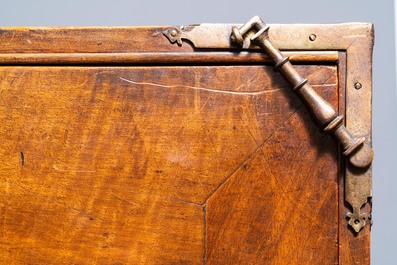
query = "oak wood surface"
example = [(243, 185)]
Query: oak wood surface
[(118, 147), (278, 207), (148, 165)]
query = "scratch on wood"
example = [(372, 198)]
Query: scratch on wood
[(12, 37), (136, 204), (22, 156), (252, 80), (328, 78), (69, 169), (324, 85), (186, 202), (124, 200), (201, 88), (355, 36), (87, 214), (293, 202), (246, 123)]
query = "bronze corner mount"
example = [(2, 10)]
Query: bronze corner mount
[(352, 134), (359, 153)]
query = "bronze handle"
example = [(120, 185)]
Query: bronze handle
[(360, 154)]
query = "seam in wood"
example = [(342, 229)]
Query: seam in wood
[(250, 155)]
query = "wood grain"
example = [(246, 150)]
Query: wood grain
[(116, 164), (279, 206), (85, 39)]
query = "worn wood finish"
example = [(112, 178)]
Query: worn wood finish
[(119, 147), (118, 162), (270, 212), (273, 210), (85, 39)]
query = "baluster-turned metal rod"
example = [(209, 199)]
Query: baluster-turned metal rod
[(359, 153)]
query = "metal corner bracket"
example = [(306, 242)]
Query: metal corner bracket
[(356, 39)]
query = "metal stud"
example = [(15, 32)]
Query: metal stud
[(173, 33)]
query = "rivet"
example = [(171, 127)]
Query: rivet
[(312, 37), (173, 33), (358, 85)]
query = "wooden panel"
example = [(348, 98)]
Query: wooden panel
[(115, 164), (278, 207), (85, 39)]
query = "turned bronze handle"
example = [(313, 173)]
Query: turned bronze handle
[(359, 153)]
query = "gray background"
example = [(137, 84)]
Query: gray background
[(172, 12)]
